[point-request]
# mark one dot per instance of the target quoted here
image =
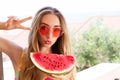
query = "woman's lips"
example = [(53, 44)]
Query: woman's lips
[(48, 42)]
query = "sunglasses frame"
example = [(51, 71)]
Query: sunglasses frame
[(46, 33)]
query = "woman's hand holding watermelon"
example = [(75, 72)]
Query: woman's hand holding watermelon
[(14, 23), (61, 77)]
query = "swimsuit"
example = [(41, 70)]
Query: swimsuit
[(17, 73)]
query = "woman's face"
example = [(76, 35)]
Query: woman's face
[(49, 30)]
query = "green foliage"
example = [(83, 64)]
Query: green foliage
[(97, 44)]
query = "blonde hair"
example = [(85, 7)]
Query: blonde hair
[(61, 46)]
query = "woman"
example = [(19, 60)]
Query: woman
[(48, 35)]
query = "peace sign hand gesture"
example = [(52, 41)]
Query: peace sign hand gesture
[(14, 23)]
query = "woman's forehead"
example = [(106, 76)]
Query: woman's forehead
[(50, 19)]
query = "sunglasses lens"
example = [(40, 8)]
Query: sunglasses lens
[(44, 30), (56, 32)]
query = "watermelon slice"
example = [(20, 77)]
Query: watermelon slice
[(52, 63)]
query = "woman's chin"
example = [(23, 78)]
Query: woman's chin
[(47, 46)]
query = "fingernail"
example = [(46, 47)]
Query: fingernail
[(48, 78)]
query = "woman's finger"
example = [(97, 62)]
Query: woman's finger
[(25, 28), (25, 19), (10, 21), (58, 76)]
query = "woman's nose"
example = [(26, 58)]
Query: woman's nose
[(50, 33)]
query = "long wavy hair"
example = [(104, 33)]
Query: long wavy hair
[(61, 46)]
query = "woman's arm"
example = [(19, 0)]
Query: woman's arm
[(11, 49), (2, 24)]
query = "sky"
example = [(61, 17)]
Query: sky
[(73, 10)]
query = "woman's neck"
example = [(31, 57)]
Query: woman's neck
[(45, 50)]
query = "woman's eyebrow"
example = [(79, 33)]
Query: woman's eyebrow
[(49, 25), (44, 24)]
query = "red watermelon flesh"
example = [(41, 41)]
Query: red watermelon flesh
[(52, 63)]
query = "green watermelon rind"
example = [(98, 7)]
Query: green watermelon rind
[(49, 71)]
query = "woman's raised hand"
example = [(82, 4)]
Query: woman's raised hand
[(15, 23)]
